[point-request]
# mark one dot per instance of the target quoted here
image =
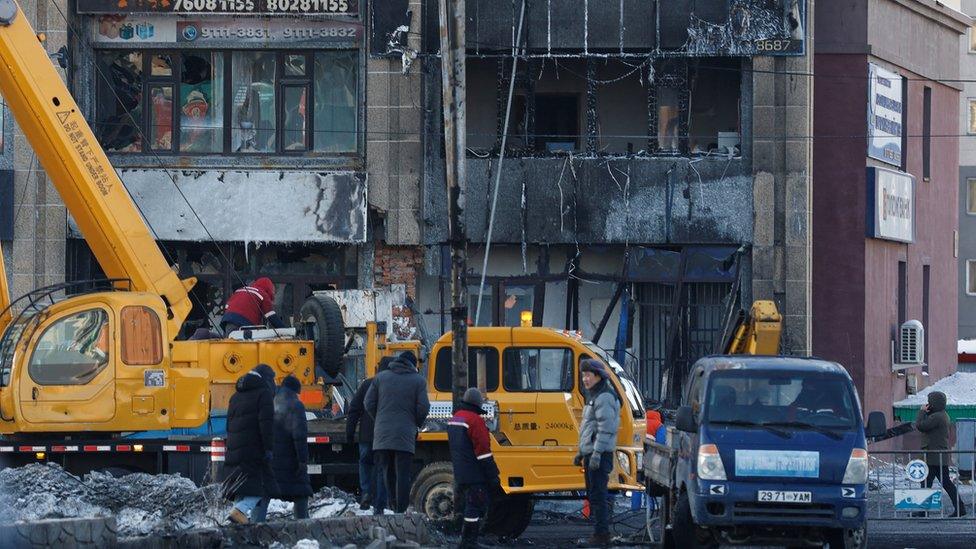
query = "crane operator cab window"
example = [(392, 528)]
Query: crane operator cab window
[(72, 351)]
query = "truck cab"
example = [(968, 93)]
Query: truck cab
[(764, 449)]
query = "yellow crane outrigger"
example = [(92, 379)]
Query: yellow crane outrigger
[(109, 361)]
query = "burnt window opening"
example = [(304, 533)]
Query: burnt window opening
[(228, 102), (605, 107)]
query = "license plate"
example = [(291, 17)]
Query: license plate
[(779, 496)]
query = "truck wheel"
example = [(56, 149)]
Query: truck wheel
[(322, 319), (433, 491), (848, 538), (685, 532), (509, 515)]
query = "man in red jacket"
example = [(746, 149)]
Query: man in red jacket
[(474, 467), (251, 306)]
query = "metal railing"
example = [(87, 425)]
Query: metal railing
[(908, 484)]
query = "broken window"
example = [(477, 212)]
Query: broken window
[(202, 103), (604, 106), (518, 300), (228, 101), (118, 112)]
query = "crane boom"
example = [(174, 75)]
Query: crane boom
[(79, 169)]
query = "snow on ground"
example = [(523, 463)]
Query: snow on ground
[(142, 504), (960, 390)]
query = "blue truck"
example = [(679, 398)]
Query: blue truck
[(764, 450)]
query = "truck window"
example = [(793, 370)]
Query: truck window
[(535, 370), (72, 351), (142, 337), (820, 400), (443, 369)]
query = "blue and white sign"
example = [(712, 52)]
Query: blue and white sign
[(885, 115), (916, 470), (918, 500), (891, 205), (777, 463)]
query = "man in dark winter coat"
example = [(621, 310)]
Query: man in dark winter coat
[(933, 422), (398, 403), (290, 461), (372, 490), (474, 467), (250, 445), (251, 306), (597, 442)]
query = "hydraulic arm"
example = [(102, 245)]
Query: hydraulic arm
[(78, 167)]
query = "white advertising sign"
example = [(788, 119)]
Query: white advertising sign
[(892, 204), (885, 110)]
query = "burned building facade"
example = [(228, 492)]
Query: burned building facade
[(245, 134), (636, 171)]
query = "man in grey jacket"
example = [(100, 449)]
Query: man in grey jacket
[(597, 443), (397, 401), (933, 422)]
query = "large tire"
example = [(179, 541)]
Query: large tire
[(686, 533), (432, 492), (322, 319), (844, 538), (510, 515)]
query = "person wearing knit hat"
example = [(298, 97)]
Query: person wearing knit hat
[(933, 422), (597, 443), (290, 461), (475, 472)]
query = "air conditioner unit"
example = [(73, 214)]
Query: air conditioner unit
[(911, 343)]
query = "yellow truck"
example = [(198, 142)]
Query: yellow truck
[(535, 403)]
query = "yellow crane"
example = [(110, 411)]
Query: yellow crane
[(109, 361)]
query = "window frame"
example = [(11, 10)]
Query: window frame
[(227, 91), (969, 35), (970, 127), (517, 348), (36, 340), (969, 279), (472, 352), (970, 184)]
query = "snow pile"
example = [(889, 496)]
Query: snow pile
[(959, 388), (967, 346), (142, 504)]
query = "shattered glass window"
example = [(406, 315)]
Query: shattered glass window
[(557, 122), (202, 103), (486, 314), (518, 299), (667, 119), (254, 119), (161, 118), (118, 97)]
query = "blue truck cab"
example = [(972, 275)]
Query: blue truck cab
[(764, 449)]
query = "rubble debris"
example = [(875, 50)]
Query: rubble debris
[(142, 504)]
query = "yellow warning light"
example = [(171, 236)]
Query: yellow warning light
[(526, 318), (137, 447), (40, 455)]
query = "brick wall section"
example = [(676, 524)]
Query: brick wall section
[(399, 265)]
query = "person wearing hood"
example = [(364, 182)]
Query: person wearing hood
[(597, 443), (474, 466), (251, 306), (290, 460), (372, 491), (933, 422), (397, 401), (250, 445)]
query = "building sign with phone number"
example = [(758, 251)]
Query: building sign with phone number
[(256, 7)]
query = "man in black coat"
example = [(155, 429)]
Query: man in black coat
[(250, 445), (398, 403), (290, 462), (372, 490)]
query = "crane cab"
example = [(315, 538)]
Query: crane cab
[(95, 362)]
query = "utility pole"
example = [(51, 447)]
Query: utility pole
[(452, 91)]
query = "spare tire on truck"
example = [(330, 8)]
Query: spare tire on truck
[(321, 318)]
